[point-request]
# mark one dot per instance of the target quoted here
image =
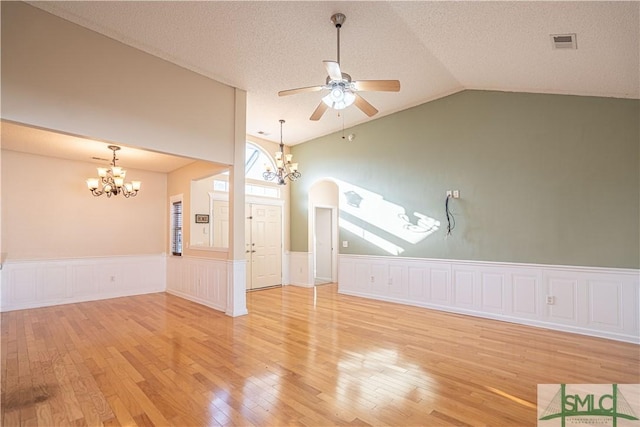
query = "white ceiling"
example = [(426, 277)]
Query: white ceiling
[(433, 48)]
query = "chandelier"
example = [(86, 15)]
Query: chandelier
[(112, 180), (285, 168)]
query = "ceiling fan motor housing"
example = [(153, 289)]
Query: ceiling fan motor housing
[(338, 19)]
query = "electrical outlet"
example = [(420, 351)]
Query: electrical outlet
[(551, 300), (456, 194), (345, 243), (449, 193)]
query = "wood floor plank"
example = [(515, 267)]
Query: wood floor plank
[(122, 414), (308, 357)]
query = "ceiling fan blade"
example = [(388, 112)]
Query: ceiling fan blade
[(377, 85), (320, 109), (333, 69), (300, 90), (366, 108)]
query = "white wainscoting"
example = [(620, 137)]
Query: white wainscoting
[(300, 269), (201, 280), (40, 283), (602, 302)]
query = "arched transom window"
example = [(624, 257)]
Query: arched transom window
[(255, 162)]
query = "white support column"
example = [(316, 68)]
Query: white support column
[(236, 298), (237, 281)]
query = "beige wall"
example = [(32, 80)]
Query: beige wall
[(200, 202), (48, 212), (179, 183), (61, 76), (324, 193)]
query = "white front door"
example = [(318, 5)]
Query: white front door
[(264, 246)]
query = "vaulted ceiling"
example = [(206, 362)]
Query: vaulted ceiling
[(433, 48)]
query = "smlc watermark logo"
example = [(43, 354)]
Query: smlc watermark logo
[(616, 405)]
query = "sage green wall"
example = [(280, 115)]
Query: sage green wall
[(548, 179)]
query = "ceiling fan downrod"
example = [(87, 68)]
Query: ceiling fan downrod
[(338, 19)]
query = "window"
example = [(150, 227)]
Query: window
[(256, 160), (255, 165), (176, 228), (250, 189)]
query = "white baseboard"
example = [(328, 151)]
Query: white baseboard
[(601, 302), (41, 283), (195, 299)]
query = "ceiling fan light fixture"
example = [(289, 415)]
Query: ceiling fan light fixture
[(339, 98), (337, 94)]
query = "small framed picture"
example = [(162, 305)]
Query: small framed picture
[(202, 219)]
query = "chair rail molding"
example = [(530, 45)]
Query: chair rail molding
[(596, 301)]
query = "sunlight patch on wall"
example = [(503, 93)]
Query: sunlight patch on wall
[(389, 217), (370, 237)]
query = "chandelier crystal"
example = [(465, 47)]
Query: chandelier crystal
[(286, 169), (112, 180)]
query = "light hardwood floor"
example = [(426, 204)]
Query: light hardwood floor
[(301, 357)]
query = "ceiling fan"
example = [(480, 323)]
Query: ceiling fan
[(342, 90)]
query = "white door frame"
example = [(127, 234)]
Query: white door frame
[(255, 200), (334, 240)]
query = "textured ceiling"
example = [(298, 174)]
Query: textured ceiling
[(433, 48)]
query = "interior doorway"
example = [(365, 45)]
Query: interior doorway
[(324, 245), (263, 245), (323, 231)]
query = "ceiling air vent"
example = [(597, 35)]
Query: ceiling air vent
[(563, 41)]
